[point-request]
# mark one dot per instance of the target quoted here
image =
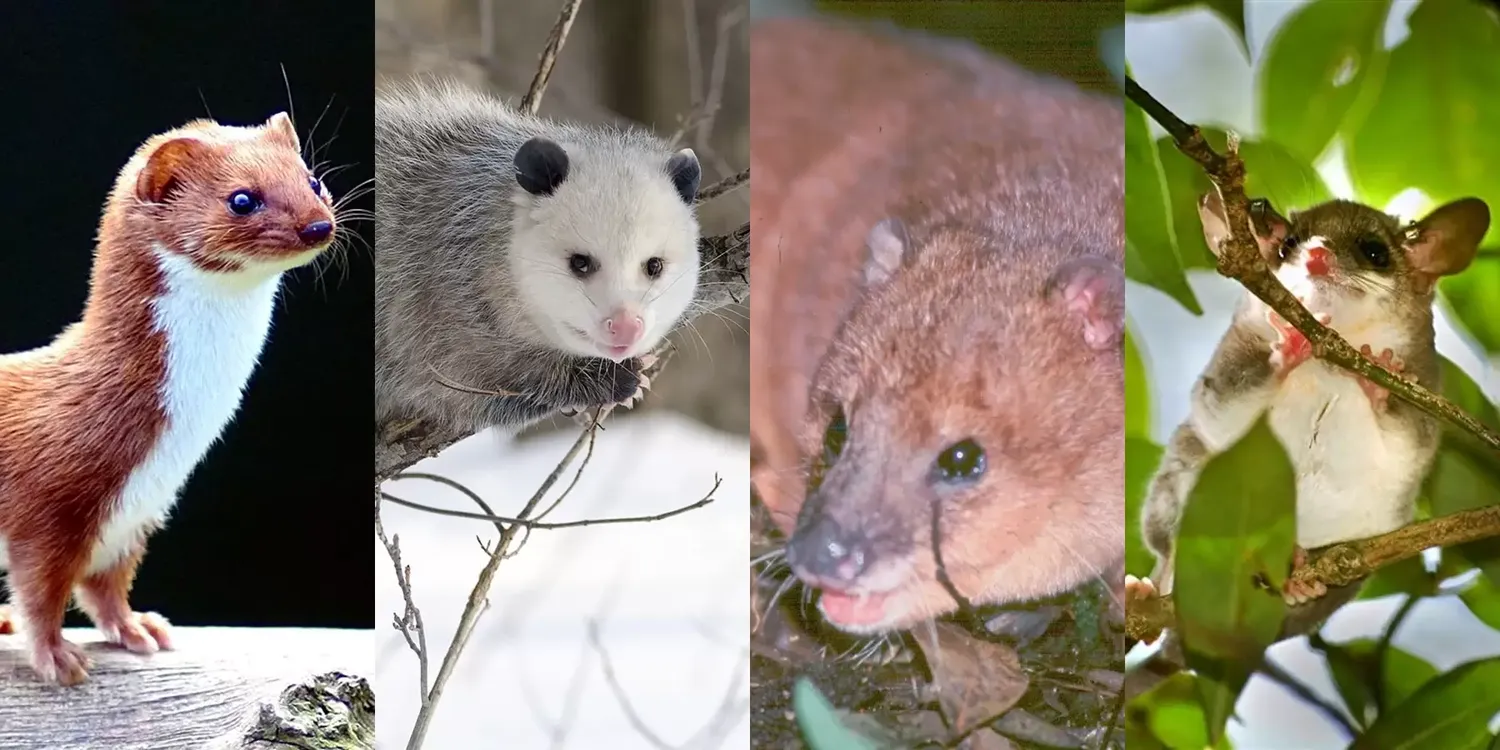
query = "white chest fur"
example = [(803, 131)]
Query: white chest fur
[(215, 327)]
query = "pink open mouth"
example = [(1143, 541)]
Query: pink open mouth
[(853, 609)]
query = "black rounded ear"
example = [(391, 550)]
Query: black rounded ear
[(541, 166), (1092, 288), (887, 248), (685, 173)]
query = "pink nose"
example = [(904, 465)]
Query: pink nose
[(1318, 261), (624, 328)]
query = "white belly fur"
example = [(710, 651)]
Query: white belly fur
[(216, 327), (1354, 478)]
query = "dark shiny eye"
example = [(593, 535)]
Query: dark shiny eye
[(1288, 246), (653, 267), (1375, 252), (316, 185), (581, 264), (834, 436), (244, 202), (961, 461)]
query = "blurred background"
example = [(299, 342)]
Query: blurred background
[(613, 636), (1364, 101)]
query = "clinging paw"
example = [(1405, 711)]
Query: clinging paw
[(1301, 592), (1291, 348), (1379, 397)]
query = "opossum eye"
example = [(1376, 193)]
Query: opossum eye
[(582, 264), (1375, 252), (834, 436), (653, 267), (961, 461), (244, 202)]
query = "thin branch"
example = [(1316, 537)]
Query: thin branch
[(1276, 674), (1347, 562), (532, 524), (555, 40), (732, 182), (410, 620), (1240, 259)]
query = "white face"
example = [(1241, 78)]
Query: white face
[(608, 267), (1351, 296)]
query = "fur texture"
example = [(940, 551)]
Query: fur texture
[(506, 275)]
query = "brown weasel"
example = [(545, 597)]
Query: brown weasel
[(100, 428), (938, 322)]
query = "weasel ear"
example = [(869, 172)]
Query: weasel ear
[(281, 128), (1445, 241), (1093, 289), (541, 166), (888, 247), (1270, 227), (166, 167), (685, 173)]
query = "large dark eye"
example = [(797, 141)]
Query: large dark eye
[(961, 461), (1375, 252), (244, 202), (653, 267), (1288, 246), (834, 436), (581, 264), (316, 185)]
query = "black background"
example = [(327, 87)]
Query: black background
[(275, 526)]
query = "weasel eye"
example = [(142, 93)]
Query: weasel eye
[(1287, 246), (244, 202), (315, 184), (653, 267), (834, 436), (963, 460), (581, 264), (1375, 252)]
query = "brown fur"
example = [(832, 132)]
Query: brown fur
[(77, 416), (1003, 180)]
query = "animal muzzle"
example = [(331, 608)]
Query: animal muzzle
[(828, 554), (315, 233), (624, 328)]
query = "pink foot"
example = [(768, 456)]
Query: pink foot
[(1291, 348), (59, 661), (139, 632), (1379, 396), (1301, 592)]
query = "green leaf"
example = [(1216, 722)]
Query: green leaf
[(1271, 171), (820, 724), (1466, 473), (1239, 525), (1137, 390), (1354, 667), (1167, 715), (1408, 577), (1482, 597), (1141, 459), (1474, 298), (1451, 710), (1314, 68), (1232, 11), (1151, 254), (1433, 124)]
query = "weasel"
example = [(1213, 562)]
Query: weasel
[(523, 266), (1359, 456), (938, 325), (100, 428)]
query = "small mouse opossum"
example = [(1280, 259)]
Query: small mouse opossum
[(938, 322), (1359, 456), (534, 260)]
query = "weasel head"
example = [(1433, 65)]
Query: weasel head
[(604, 244), (229, 199)]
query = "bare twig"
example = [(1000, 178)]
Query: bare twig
[(1347, 562), (1240, 259), (534, 524), (555, 40), (410, 620), (732, 182)]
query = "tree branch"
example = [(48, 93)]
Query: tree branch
[(1240, 259), (1345, 563), (555, 40)]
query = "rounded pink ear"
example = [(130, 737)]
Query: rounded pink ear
[(1445, 241), (1093, 289), (280, 126), (166, 167)]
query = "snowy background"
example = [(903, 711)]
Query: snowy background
[(1177, 345), (671, 597)]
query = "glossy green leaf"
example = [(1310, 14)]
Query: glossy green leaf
[(1315, 67), (1141, 459), (1482, 597), (1239, 525), (1232, 11), (1354, 666), (1474, 298), (1433, 124), (1137, 390), (1451, 710), (1466, 473), (1151, 252), (1167, 715), (820, 724), (1271, 171)]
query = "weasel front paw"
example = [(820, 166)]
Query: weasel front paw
[(1379, 396), (1291, 348), (139, 632), (1301, 592), (58, 661)]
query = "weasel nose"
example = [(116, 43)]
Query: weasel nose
[(1318, 261), (828, 553), (624, 328), (316, 232)]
